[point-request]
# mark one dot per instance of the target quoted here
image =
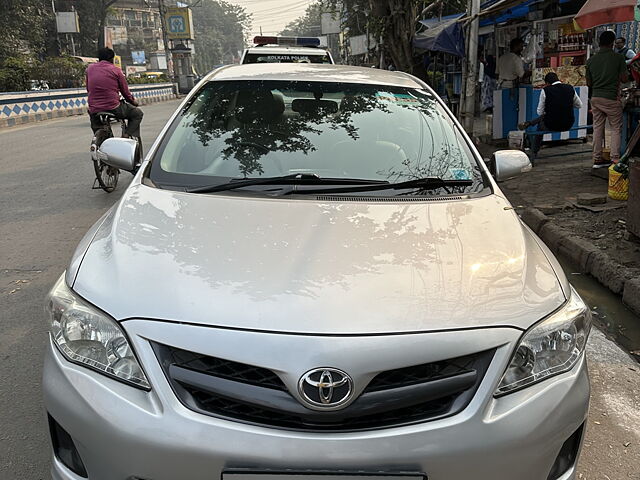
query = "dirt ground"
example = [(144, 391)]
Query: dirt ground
[(607, 230)]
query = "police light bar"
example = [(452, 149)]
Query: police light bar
[(288, 41)]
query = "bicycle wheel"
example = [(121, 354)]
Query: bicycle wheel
[(106, 175)]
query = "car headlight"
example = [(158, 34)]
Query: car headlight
[(550, 347), (87, 336)]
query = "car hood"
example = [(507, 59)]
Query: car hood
[(322, 267)]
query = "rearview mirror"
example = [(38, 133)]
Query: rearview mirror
[(506, 164), (119, 153)]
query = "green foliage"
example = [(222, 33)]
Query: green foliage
[(92, 15), (309, 24), (220, 33), (23, 26), (14, 74), (132, 80), (60, 72)]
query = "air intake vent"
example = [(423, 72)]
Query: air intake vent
[(345, 198)]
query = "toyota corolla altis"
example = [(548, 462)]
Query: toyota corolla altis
[(314, 276)]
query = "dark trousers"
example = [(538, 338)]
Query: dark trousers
[(536, 141), (125, 110)]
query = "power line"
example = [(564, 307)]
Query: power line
[(297, 6), (274, 18)]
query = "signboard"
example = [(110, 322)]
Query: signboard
[(108, 38), (117, 61), (359, 44), (67, 22), (330, 23), (179, 23), (138, 57), (132, 70), (158, 61)]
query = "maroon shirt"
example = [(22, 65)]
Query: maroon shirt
[(105, 83)]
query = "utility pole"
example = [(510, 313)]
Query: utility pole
[(472, 67), (465, 66), (165, 40), (55, 15)]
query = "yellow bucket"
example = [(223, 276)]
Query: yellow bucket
[(618, 186)]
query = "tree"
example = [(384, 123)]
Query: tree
[(220, 33), (394, 22), (24, 25), (309, 24), (102, 11), (92, 15)]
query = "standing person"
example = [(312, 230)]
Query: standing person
[(606, 70), (622, 49), (555, 109), (105, 83), (510, 66), (489, 84)]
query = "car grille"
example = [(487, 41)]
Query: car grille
[(416, 374), (235, 371), (256, 395)]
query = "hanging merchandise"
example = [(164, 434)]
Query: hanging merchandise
[(532, 48)]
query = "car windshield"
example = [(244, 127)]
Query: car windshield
[(285, 58), (253, 129)]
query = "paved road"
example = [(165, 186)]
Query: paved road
[(47, 205)]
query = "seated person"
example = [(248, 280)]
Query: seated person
[(555, 109)]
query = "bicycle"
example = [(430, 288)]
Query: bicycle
[(106, 175)]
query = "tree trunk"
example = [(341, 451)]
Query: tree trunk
[(398, 32), (101, 37)]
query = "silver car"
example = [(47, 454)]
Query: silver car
[(314, 276)]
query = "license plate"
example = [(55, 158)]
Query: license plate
[(315, 475)]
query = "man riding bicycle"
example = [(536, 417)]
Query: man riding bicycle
[(105, 83)]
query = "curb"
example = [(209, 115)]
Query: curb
[(587, 257)]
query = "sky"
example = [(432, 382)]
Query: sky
[(272, 15)]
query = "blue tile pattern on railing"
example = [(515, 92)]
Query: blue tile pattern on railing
[(26, 105)]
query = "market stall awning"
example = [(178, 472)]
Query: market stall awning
[(599, 12), (446, 36)]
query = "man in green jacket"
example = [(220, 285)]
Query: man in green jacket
[(606, 70)]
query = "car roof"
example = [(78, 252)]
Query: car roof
[(313, 72), (274, 50)]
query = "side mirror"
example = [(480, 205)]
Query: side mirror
[(506, 164), (119, 153)]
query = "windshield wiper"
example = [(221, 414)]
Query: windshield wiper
[(427, 183), (293, 179)]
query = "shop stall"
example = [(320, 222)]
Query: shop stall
[(551, 45)]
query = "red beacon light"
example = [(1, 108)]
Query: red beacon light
[(287, 41)]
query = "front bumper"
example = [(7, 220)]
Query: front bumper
[(123, 433)]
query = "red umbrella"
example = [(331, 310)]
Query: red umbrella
[(603, 12)]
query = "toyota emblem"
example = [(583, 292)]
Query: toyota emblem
[(326, 388)]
